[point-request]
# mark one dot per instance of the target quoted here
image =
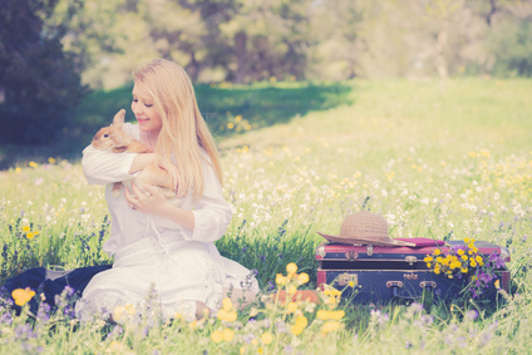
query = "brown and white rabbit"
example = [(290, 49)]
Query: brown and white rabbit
[(113, 139)]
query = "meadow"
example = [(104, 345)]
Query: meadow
[(439, 159)]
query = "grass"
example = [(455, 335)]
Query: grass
[(438, 158)]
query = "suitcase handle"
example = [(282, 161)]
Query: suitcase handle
[(395, 286)]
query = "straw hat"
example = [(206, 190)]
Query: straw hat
[(365, 228)]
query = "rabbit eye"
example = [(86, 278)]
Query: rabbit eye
[(105, 135)]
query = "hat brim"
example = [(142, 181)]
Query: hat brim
[(357, 240)]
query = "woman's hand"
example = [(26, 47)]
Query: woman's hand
[(170, 168), (147, 198)]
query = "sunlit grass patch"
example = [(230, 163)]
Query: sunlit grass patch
[(444, 160)]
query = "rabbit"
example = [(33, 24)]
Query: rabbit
[(113, 139)]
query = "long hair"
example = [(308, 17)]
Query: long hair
[(184, 131)]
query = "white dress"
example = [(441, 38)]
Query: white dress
[(154, 254)]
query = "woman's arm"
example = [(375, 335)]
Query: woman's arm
[(102, 167), (209, 219)]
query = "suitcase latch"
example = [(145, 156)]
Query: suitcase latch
[(321, 251), (424, 284), (410, 276), (351, 255), (346, 279), (410, 259)]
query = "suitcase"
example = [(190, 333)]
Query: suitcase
[(378, 274)]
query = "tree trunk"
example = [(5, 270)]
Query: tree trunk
[(242, 57), (441, 46)]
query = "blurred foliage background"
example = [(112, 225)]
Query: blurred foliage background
[(53, 53)]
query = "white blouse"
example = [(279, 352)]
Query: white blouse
[(212, 213)]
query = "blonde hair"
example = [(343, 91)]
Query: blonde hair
[(184, 131)]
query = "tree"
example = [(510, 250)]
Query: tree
[(268, 39), (38, 81)]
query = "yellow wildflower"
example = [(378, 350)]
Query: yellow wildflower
[(291, 307), (467, 240), (291, 268), (464, 257), (330, 315), (217, 336), (455, 265), (266, 338), (238, 118), (51, 160), (33, 164), (473, 263), (130, 309), (230, 125), (351, 284), (299, 325), (333, 292), (464, 270), (437, 252), (227, 313), (478, 258), (330, 326), (18, 170), (280, 279), (22, 296), (428, 259), (30, 235), (460, 252), (497, 284), (118, 313), (26, 229), (302, 278), (228, 316)]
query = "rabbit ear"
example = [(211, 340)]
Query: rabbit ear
[(118, 120)]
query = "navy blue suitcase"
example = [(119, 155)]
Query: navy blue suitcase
[(378, 274)]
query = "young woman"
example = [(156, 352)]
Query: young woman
[(160, 246)]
